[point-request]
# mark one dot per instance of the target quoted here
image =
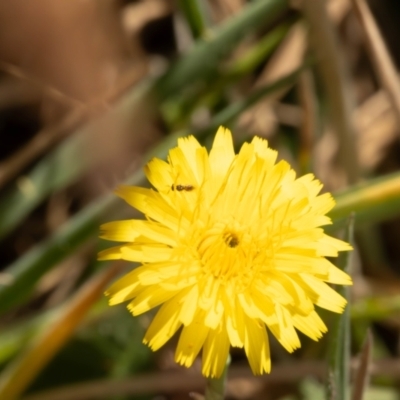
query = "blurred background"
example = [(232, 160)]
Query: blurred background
[(91, 90)]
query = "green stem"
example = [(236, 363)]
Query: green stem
[(339, 346), (215, 389)]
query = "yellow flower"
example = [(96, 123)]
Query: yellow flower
[(231, 245)]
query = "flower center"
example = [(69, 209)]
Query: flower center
[(227, 253), (231, 239)]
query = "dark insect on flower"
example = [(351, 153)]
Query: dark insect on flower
[(181, 188)]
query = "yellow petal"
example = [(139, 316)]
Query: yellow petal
[(125, 288), (221, 156), (159, 173), (191, 340), (311, 325), (321, 294), (215, 352), (113, 253), (256, 346), (284, 331), (146, 253), (164, 325)]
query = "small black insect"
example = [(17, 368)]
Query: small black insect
[(182, 188)]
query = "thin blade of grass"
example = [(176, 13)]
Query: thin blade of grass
[(53, 173), (180, 109), (376, 308), (372, 201), (218, 44), (339, 345), (382, 61), (16, 336), (234, 110), (197, 14), (258, 53), (65, 164), (332, 68)]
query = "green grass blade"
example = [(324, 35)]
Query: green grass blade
[(376, 308), (258, 53), (178, 109), (197, 15), (15, 336), (235, 109), (26, 271), (54, 172), (372, 201), (339, 346), (66, 163), (203, 59)]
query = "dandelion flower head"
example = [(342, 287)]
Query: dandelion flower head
[(232, 250)]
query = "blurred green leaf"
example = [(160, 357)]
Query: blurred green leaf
[(66, 163), (20, 373), (15, 336), (257, 53), (373, 201), (381, 393), (26, 270), (376, 308), (78, 361), (203, 59), (226, 116), (178, 109), (311, 390), (57, 170), (197, 14)]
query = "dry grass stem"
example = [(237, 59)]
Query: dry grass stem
[(362, 373), (380, 56), (48, 137), (334, 77)]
